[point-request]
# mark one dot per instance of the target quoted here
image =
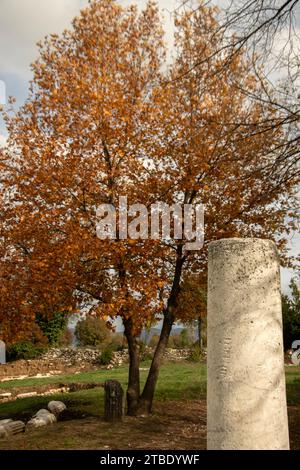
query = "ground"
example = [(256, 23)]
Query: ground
[(178, 421), (174, 425)]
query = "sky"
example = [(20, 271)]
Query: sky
[(24, 22)]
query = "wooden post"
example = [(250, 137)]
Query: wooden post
[(113, 401)]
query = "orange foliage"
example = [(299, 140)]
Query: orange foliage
[(106, 117)]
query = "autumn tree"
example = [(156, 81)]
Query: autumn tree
[(105, 118)]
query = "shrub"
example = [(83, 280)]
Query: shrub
[(32, 345), (195, 353), (24, 350), (105, 357), (184, 338), (147, 354), (116, 346), (54, 326)]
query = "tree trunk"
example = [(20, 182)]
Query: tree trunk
[(146, 399), (136, 403), (133, 390)]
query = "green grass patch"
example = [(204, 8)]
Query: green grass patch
[(177, 381), (292, 375)]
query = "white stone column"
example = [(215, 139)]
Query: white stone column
[(246, 396), (2, 352)]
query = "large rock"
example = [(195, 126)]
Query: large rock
[(56, 407)]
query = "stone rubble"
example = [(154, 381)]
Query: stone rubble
[(43, 417), (73, 356), (26, 395)]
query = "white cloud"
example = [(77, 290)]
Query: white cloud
[(24, 22)]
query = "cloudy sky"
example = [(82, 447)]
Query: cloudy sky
[(24, 22)]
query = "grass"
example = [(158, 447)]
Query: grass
[(292, 376), (178, 421), (177, 381)]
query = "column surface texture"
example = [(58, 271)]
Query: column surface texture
[(246, 395)]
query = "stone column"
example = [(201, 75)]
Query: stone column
[(246, 396), (2, 352), (113, 401)]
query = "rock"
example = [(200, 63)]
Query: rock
[(8, 427), (42, 412), (41, 418), (56, 407), (14, 377), (54, 391), (15, 427), (5, 395), (40, 421), (5, 421), (26, 395), (36, 423), (3, 432)]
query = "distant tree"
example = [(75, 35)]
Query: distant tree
[(92, 331), (291, 315)]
